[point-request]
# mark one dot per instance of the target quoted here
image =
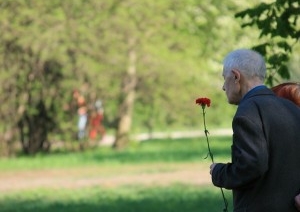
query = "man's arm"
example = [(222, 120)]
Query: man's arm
[(249, 156)]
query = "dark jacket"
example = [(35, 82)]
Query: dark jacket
[(264, 174)]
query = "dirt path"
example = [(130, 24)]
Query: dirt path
[(119, 175)]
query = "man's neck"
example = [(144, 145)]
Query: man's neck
[(250, 85)]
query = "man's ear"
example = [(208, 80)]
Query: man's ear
[(237, 75)]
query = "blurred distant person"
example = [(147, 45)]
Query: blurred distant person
[(96, 121), (82, 121), (82, 114)]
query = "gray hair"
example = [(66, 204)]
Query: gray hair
[(249, 62)]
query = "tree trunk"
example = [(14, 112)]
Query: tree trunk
[(127, 99), (34, 131)]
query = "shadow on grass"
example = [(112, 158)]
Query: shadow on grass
[(177, 198)]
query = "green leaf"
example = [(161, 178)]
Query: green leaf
[(262, 48), (283, 71), (284, 45), (278, 58)]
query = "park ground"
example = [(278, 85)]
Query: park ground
[(110, 175), (162, 174)]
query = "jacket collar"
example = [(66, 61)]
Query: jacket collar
[(258, 90)]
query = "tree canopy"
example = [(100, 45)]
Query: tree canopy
[(279, 26), (146, 60)]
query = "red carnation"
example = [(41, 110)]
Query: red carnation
[(203, 102)]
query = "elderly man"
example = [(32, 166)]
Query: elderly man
[(264, 174)]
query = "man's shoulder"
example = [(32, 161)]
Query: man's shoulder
[(266, 102), (259, 101)]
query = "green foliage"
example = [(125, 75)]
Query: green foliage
[(279, 27), (50, 48)]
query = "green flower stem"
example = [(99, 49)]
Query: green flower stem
[(212, 157), (206, 135)]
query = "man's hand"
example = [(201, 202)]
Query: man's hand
[(297, 202), (212, 166)]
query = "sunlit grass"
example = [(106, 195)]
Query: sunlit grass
[(152, 151)]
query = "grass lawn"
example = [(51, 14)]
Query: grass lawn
[(173, 198), (146, 159)]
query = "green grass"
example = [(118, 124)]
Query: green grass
[(152, 151), (129, 198), (176, 198)]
